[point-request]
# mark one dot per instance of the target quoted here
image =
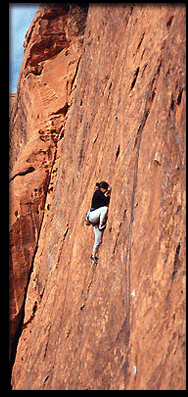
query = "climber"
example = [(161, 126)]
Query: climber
[(97, 215)]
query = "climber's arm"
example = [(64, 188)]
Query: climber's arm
[(108, 192)]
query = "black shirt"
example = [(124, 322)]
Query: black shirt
[(99, 199)]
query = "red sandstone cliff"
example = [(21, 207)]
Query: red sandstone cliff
[(107, 102), (53, 47)]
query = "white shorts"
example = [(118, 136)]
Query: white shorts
[(97, 216)]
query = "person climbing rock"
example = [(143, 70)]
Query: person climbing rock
[(97, 215)]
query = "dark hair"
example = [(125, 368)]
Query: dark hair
[(102, 184)]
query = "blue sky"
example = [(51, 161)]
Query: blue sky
[(20, 18)]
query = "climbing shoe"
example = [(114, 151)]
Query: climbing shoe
[(94, 259), (102, 227)]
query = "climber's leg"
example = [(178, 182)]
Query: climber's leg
[(98, 239), (94, 216), (103, 215), (98, 215)]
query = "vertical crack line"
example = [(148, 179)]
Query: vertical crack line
[(120, 88), (88, 288), (76, 72), (60, 327), (126, 326)]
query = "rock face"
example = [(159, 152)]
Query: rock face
[(53, 47), (106, 106)]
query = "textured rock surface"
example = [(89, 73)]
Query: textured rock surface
[(53, 47), (120, 325)]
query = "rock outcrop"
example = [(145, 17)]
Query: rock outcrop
[(104, 103), (53, 47)]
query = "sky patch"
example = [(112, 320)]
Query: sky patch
[(20, 18)]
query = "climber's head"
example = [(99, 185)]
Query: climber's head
[(103, 186)]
